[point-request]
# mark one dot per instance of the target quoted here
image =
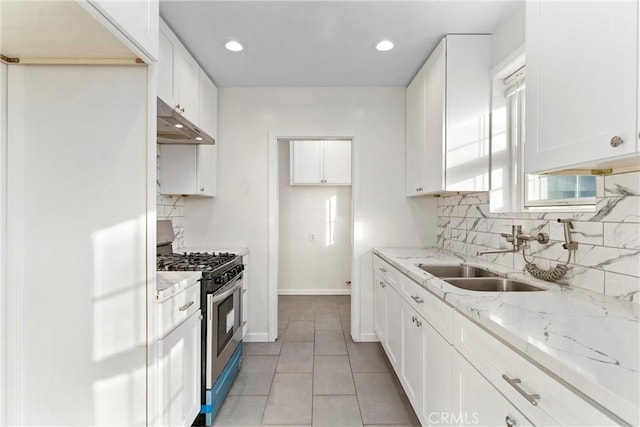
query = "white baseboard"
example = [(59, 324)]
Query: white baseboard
[(369, 337), (314, 291), (256, 337)]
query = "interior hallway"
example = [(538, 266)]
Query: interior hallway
[(315, 374)]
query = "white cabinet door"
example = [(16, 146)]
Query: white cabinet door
[(208, 105), (336, 164), (415, 155), (467, 112), (187, 78), (438, 372), (179, 380), (477, 402), (166, 89), (394, 328), (137, 19), (581, 82), (306, 162), (188, 169), (380, 313), (411, 374), (434, 107)]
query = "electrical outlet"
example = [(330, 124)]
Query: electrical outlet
[(312, 237)]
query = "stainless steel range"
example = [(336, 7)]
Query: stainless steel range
[(221, 304)]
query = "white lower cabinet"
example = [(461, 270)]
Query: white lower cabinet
[(380, 313), (456, 373), (394, 327), (179, 379), (477, 402)]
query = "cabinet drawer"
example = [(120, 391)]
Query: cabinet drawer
[(175, 310), (518, 380), (435, 311), (387, 272)]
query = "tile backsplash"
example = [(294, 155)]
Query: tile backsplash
[(608, 256), (170, 207)]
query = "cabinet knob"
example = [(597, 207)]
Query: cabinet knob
[(202, 190), (177, 107), (418, 189), (182, 110), (616, 141), (510, 422)]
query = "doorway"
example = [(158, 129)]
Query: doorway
[(311, 230)]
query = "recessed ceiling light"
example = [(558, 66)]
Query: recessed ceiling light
[(198, 138), (234, 46), (179, 126), (384, 45)]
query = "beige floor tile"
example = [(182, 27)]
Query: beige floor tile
[(241, 411), (336, 411), (290, 400), (366, 357), (255, 375), (296, 357), (330, 343), (299, 330), (332, 375), (380, 402), (328, 321), (262, 348)]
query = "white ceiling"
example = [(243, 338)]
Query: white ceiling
[(323, 43)]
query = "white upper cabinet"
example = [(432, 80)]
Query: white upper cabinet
[(178, 76), (187, 169), (448, 118), (136, 19), (325, 162), (208, 105), (582, 63)]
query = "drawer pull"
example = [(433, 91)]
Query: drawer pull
[(510, 422), (384, 270), (417, 299), (187, 305), (382, 284), (514, 382)]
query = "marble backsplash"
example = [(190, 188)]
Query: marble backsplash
[(170, 207), (608, 256)]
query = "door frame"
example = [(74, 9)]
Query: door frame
[(274, 227)]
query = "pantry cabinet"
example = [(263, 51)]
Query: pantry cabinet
[(178, 76), (325, 162), (136, 19), (447, 122), (188, 169), (582, 84)]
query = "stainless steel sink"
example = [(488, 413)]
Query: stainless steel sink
[(492, 284), (445, 271)]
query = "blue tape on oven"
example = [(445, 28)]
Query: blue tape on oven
[(205, 409)]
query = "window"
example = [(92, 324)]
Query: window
[(539, 190)]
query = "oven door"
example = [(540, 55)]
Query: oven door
[(224, 327)]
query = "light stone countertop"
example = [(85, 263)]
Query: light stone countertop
[(589, 340), (169, 283)]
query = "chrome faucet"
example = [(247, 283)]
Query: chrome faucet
[(517, 239)]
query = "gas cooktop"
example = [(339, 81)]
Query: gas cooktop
[(193, 261)]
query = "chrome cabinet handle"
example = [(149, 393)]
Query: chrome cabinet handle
[(382, 284), (418, 322), (384, 270), (417, 299), (510, 422), (514, 382), (616, 141), (418, 189), (187, 305)]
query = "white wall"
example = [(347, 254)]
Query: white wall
[(77, 216), (3, 238), (239, 215), (322, 266), (508, 36)]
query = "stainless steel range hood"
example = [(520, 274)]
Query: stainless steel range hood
[(173, 128)]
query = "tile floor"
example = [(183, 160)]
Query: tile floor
[(315, 374)]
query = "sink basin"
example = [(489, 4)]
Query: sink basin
[(456, 271), (492, 284)]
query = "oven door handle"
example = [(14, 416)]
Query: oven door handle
[(219, 297)]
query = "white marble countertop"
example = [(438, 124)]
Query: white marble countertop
[(589, 340), (169, 283)]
